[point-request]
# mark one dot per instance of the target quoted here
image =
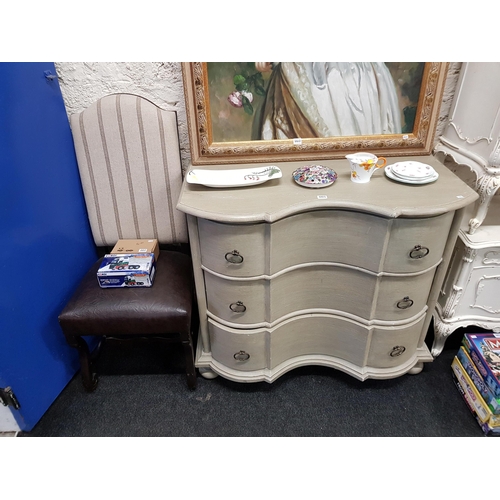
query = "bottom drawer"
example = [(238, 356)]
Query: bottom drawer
[(316, 334), (238, 349)]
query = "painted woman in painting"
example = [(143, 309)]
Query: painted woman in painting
[(328, 99)]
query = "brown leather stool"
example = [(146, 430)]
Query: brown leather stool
[(163, 311)]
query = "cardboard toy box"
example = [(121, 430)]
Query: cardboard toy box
[(487, 429), (484, 350), (481, 409), (468, 365), (137, 246), (126, 270)]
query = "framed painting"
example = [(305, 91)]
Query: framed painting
[(261, 112)]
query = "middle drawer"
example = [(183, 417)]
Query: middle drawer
[(343, 289)]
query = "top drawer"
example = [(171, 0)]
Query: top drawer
[(352, 238)]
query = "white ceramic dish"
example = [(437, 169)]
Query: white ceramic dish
[(233, 178), (412, 170), (391, 175)]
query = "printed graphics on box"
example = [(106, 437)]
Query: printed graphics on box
[(488, 431), (484, 350), (468, 365), (481, 409), (126, 270)]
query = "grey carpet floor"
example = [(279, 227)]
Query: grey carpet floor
[(142, 391)]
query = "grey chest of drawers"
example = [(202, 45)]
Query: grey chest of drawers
[(345, 276)]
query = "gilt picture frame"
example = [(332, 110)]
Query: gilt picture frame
[(227, 108)]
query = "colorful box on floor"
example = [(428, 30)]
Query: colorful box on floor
[(137, 246), (469, 366), (484, 350), (126, 270), (472, 395), (488, 431)]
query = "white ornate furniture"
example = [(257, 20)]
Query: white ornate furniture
[(345, 276), (471, 290)]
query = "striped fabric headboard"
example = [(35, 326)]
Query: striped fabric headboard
[(129, 160)]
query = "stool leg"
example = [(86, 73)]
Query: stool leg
[(189, 359), (89, 378)]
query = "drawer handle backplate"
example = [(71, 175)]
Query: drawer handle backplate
[(238, 307), (405, 303), (241, 356), (234, 257), (419, 252)]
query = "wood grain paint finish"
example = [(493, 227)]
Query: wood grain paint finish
[(325, 335), (337, 289), (357, 239)]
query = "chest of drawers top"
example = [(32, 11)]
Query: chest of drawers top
[(280, 198)]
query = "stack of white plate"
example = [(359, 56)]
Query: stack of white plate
[(411, 172)]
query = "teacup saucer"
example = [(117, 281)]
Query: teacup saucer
[(389, 173), (412, 170)]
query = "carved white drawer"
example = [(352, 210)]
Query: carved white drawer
[(333, 288), (358, 239), (483, 295), (471, 289)]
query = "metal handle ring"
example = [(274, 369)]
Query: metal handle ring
[(237, 307), (397, 351), (242, 356), (419, 252), (405, 303), (234, 257)]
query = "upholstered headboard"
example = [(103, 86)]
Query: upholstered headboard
[(128, 155)]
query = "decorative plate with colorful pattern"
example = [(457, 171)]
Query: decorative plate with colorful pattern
[(314, 176)]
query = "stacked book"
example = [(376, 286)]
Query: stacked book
[(476, 373)]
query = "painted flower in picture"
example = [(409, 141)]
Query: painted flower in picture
[(240, 99), (246, 83)]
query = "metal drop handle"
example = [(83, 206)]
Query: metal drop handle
[(234, 257), (405, 303), (397, 351), (238, 307), (419, 252), (241, 356)]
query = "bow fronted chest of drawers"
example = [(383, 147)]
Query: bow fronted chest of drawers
[(345, 276)]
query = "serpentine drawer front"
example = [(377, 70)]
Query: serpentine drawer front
[(266, 349), (346, 276), (314, 288), (362, 240)]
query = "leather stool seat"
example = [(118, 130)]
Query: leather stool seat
[(163, 310)]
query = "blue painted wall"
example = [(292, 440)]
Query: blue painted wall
[(45, 241)]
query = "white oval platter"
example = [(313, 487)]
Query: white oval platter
[(233, 177)]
